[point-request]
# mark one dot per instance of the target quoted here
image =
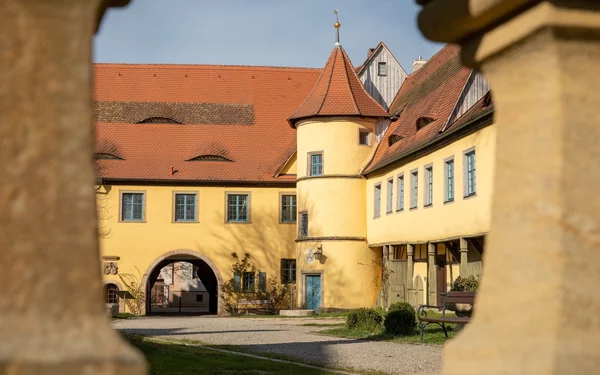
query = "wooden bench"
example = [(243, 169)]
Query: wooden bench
[(253, 306), (447, 298)]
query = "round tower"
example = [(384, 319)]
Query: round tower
[(335, 125)]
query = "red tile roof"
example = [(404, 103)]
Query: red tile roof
[(338, 92), (258, 144), (432, 92)]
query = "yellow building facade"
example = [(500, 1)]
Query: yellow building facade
[(303, 170)]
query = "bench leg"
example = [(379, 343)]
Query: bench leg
[(444, 328), (422, 326)]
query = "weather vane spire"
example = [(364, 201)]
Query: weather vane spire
[(337, 26)]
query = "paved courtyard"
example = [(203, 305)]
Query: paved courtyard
[(290, 337)]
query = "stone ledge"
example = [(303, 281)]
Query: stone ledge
[(305, 312)]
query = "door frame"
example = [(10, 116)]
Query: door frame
[(303, 286)]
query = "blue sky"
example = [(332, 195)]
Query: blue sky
[(257, 32)]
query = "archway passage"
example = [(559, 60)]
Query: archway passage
[(182, 285)]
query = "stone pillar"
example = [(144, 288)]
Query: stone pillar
[(52, 314), (432, 274), (464, 259), (409, 266), (410, 290), (537, 310)]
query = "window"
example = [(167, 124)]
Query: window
[(288, 208), (236, 282), (132, 206), (303, 230), (111, 295), (185, 207), (382, 69), (262, 281), (237, 207), (414, 197), (377, 201), (470, 177), (449, 177), (288, 271), (316, 164), (390, 196), (249, 282), (429, 185), (400, 197), (423, 122), (199, 298), (364, 138)]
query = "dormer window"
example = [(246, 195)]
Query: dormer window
[(209, 158), (423, 122), (106, 156), (382, 69), (159, 120), (393, 139)]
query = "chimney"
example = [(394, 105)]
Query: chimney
[(370, 52), (418, 64)]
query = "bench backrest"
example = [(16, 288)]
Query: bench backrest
[(460, 297)]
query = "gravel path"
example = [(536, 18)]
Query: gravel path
[(289, 337)]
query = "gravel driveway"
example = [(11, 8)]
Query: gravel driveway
[(290, 338)]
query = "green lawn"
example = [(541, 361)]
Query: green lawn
[(318, 316), (177, 359), (433, 333)]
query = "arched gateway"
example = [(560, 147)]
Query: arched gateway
[(201, 266)]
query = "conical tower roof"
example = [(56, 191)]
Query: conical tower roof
[(338, 92)]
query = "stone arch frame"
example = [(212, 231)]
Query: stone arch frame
[(174, 254)]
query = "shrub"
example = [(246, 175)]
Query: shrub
[(363, 318), (400, 322), (401, 306), (466, 284), (275, 294)]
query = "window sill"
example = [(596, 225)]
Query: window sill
[(184, 221), (132, 221), (376, 217), (448, 202), (428, 205), (400, 210), (389, 212), (287, 222), (469, 196), (237, 222), (413, 208)]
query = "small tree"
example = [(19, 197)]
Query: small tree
[(232, 289), (134, 287), (276, 294)]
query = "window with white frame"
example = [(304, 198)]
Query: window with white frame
[(377, 201), (364, 137), (288, 208), (390, 196), (429, 185), (237, 208), (449, 178), (315, 164), (132, 206), (382, 69), (470, 174), (400, 195), (414, 195), (185, 207)]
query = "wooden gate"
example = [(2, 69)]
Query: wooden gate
[(397, 280)]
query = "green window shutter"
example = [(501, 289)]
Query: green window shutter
[(262, 281), (237, 281)]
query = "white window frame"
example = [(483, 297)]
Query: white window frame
[(389, 204), (449, 181), (414, 189), (469, 192), (400, 186), (428, 185), (385, 69), (377, 200)]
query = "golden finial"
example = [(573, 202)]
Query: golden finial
[(337, 26)]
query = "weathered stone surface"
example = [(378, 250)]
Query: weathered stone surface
[(537, 310), (52, 318), (112, 309)]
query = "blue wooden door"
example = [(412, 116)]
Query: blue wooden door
[(313, 292)]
